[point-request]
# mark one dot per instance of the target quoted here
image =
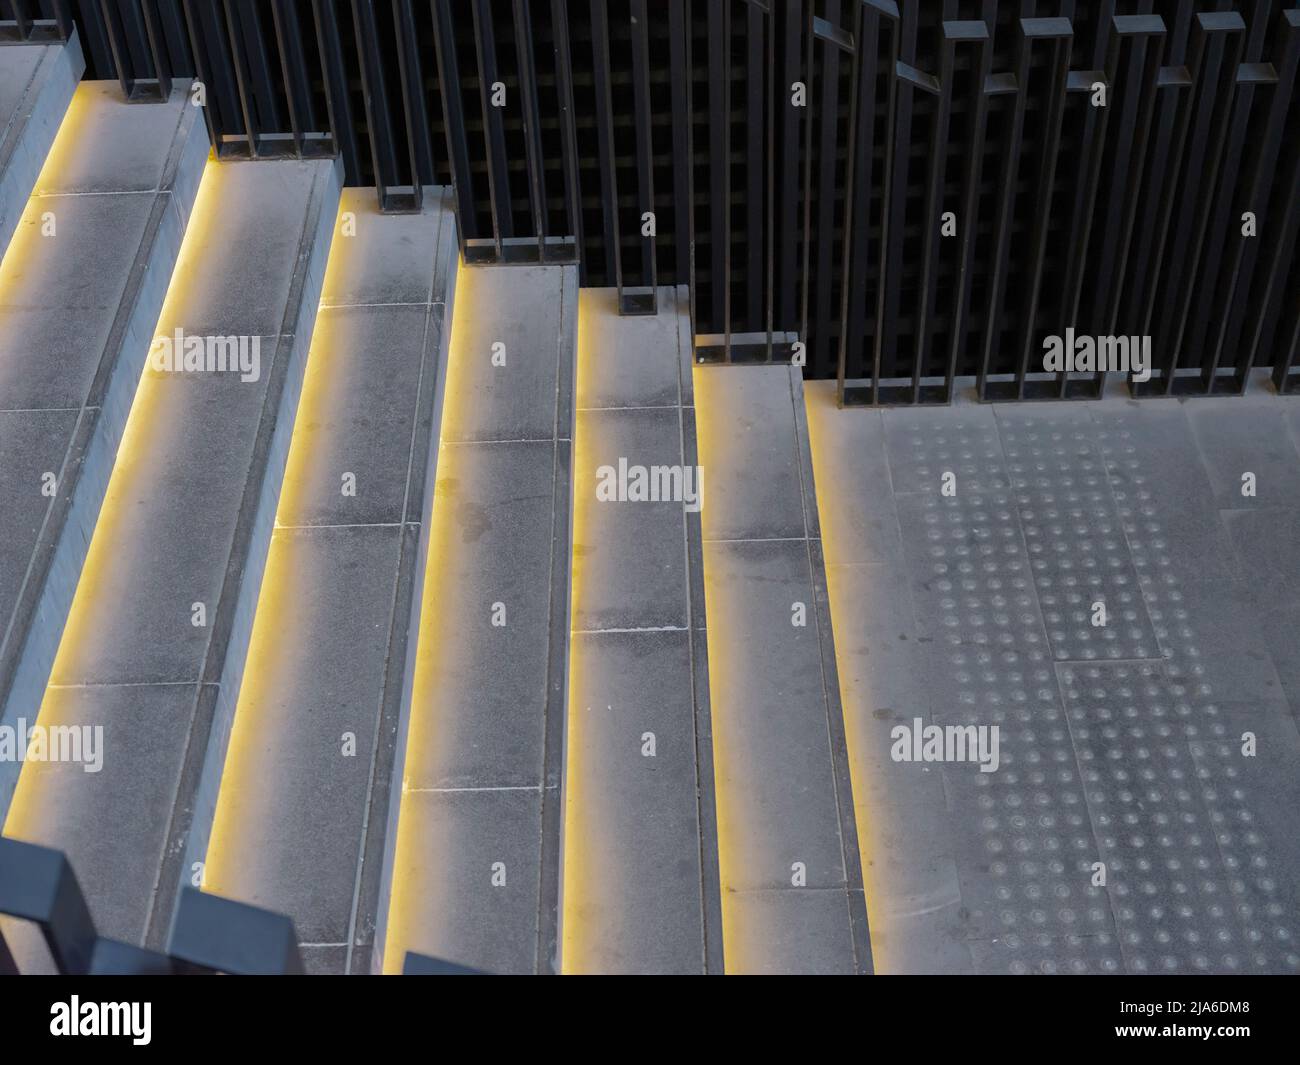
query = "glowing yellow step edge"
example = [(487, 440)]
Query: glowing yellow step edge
[(718, 624), (578, 812), (270, 645), (820, 408), (409, 902), (24, 820), (709, 431)]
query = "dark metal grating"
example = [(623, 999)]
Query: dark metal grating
[(1116, 220)]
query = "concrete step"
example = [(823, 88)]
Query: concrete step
[(470, 873), (640, 882), (37, 83), (300, 820), (883, 662), (792, 899), (81, 287), (158, 631)]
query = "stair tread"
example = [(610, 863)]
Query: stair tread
[(475, 767), (785, 820), (179, 515), (293, 811), (76, 309), (634, 888)]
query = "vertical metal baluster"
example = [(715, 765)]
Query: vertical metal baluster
[(822, 313), (174, 36), (257, 67), (899, 153), (1273, 288), (453, 113), (201, 71), (605, 142), (1146, 35), (285, 20), (372, 91), (1205, 202), (754, 170), (94, 35), (726, 170), (977, 32), (1168, 200), (767, 75), (1133, 181), (644, 152), (1043, 211), (1086, 203), (113, 28), (933, 196), (805, 278), (683, 209), (717, 165), (532, 123), (418, 153), (788, 225), (22, 23), (157, 51), (1251, 79), (245, 108), (568, 129), (877, 11), (494, 142), (1210, 35), (886, 208), (1233, 308), (846, 240), (334, 75), (1030, 30)]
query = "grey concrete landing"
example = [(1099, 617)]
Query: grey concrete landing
[(159, 627), (81, 287), (37, 82), (792, 898), (1159, 747), (470, 872), (300, 820), (640, 861)]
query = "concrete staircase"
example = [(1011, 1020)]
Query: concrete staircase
[(339, 572)]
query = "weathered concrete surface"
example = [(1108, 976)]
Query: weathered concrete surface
[(470, 872), (792, 899), (640, 869), (1122, 744), (300, 819), (158, 629), (37, 83), (81, 287)]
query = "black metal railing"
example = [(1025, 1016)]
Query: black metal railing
[(898, 194)]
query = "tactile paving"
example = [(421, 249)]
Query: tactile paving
[(1167, 883), (1123, 744), (1083, 571), (924, 444), (1024, 846)]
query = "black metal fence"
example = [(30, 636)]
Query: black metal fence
[(899, 193)]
